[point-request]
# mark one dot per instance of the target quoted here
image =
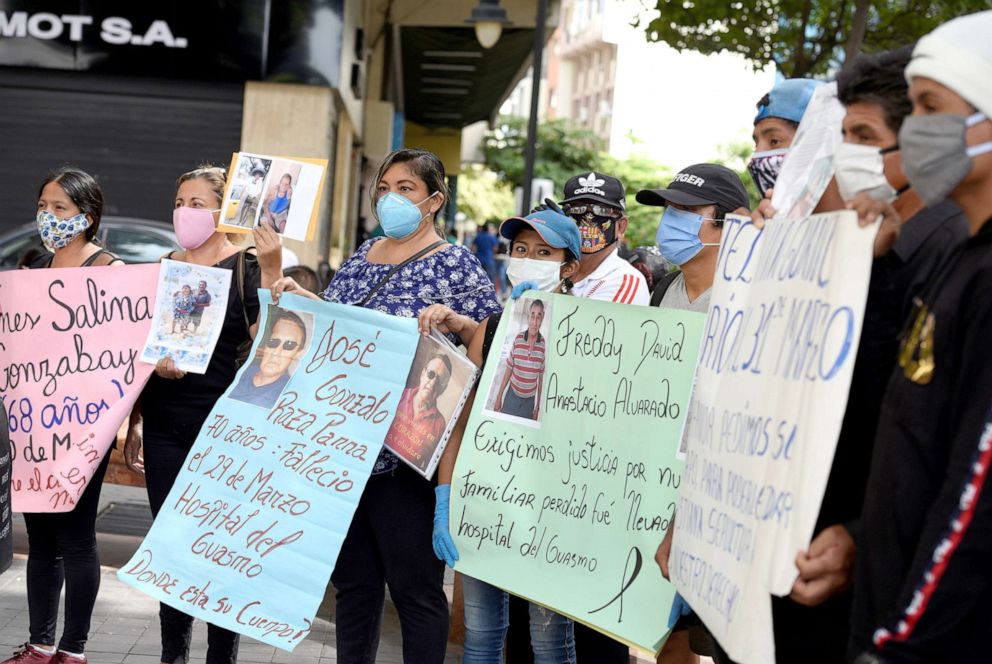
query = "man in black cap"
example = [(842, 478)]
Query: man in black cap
[(696, 202), (597, 202)]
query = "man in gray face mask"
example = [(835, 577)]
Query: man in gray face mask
[(923, 586)]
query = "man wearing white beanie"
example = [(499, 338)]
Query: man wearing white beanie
[(923, 577)]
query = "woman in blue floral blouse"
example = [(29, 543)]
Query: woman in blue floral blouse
[(389, 541)]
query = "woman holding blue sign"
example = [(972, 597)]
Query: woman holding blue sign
[(176, 404), (389, 541), (544, 252), (62, 545)]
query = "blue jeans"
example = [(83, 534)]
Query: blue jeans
[(486, 621)]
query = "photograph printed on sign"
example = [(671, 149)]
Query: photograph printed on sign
[(436, 389), (284, 342), (190, 304), (243, 203), (515, 393)]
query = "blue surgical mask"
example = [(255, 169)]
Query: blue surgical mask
[(398, 215), (678, 235), (57, 233)]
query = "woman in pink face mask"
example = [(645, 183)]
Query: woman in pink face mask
[(174, 405)]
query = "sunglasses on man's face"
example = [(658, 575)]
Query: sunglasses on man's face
[(596, 209), (288, 344)]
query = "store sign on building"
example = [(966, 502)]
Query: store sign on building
[(189, 39)]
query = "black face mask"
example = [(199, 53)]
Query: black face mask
[(597, 233)]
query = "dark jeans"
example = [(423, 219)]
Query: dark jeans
[(164, 458), (389, 542), (592, 647), (811, 635), (62, 548)]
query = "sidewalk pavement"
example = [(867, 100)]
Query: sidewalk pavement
[(125, 629)]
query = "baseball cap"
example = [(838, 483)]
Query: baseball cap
[(700, 184), (557, 230), (597, 187), (788, 99)]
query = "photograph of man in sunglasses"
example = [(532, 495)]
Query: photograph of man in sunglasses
[(276, 357), (420, 423)]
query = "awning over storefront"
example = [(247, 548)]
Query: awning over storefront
[(449, 80)]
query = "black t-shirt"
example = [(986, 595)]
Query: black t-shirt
[(178, 408), (926, 529), (6, 528)]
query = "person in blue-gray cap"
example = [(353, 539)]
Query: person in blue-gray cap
[(545, 249), (779, 113)]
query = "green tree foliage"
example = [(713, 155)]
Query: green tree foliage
[(483, 195), (735, 157), (802, 37), (562, 150), (638, 172)]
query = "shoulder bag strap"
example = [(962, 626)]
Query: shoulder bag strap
[(239, 276), (396, 268), (658, 294), (490, 334)]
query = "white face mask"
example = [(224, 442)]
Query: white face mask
[(546, 274), (860, 168)]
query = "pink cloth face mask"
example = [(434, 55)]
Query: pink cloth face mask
[(194, 226)]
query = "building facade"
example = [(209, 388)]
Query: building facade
[(138, 93)]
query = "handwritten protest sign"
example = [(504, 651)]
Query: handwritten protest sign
[(565, 501), (252, 527), (774, 371), (70, 340)]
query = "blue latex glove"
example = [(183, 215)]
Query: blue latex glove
[(522, 288), (444, 546), (679, 608)]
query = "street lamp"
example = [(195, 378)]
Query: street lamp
[(489, 19)]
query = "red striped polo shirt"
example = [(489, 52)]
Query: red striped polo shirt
[(526, 365)]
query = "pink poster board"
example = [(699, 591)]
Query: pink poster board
[(70, 343)]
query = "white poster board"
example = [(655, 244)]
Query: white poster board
[(772, 383)]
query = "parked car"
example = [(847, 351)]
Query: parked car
[(134, 240)]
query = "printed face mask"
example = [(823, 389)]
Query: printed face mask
[(546, 274), (935, 154), (398, 215), (861, 168), (764, 168), (597, 233), (678, 235), (194, 226), (58, 233)]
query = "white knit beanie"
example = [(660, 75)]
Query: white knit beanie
[(958, 54)]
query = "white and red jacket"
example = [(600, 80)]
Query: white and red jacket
[(615, 280)]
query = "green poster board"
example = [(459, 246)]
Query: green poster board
[(565, 501)]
